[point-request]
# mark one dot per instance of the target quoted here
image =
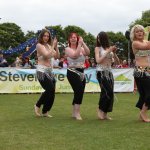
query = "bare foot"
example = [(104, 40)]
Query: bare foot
[(100, 114), (37, 111), (144, 117), (47, 115), (78, 117), (107, 117)]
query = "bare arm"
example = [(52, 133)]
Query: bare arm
[(137, 45), (86, 50), (57, 54), (117, 61)]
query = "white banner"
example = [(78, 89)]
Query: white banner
[(13, 80)]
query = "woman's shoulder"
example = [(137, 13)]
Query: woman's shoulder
[(97, 48), (38, 45)]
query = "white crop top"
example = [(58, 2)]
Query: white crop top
[(100, 67), (102, 52)]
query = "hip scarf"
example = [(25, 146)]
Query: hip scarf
[(80, 74), (141, 71), (42, 71)]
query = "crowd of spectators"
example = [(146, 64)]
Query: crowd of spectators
[(27, 62)]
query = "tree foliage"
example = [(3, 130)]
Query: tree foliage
[(15, 36), (144, 20), (10, 35), (90, 40), (69, 29), (121, 42), (30, 34)]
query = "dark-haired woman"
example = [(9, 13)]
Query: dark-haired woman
[(75, 53), (46, 50), (104, 55)]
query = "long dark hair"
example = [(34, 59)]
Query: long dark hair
[(70, 35), (102, 40), (40, 39)]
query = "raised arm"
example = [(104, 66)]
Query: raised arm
[(117, 61), (86, 50), (55, 45), (137, 45)]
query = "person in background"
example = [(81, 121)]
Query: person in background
[(76, 52), (124, 64), (141, 50), (87, 62), (56, 63), (3, 61), (63, 62), (27, 63), (92, 62), (46, 50), (104, 55), (27, 48)]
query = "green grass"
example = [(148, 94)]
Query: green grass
[(21, 130)]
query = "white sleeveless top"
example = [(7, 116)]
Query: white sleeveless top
[(102, 52), (100, 67)]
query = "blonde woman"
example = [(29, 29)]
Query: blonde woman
[(141, 50)]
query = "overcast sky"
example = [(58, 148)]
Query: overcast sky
[(91, 15)]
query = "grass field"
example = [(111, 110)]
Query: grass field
[(21, 130)]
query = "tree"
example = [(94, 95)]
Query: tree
[(121, 42), (69, 29), (30, 34), (90, 40), (144, 20), (11, 35)]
